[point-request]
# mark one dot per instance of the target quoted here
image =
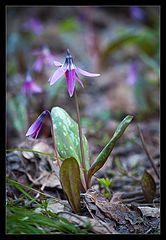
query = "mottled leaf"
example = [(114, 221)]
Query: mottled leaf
[(148, 186), (70, 180), (67, 136), (104, 154)]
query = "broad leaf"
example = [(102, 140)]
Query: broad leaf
[(104, 154), (67, 136), (143, 38), (148, 186), (70, 180)]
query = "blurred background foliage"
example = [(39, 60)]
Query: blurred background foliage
[(120, 43)]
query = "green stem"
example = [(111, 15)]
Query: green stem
[(81, 138)]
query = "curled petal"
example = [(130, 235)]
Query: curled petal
[(70, 80), (85, 73), (79, 80), (57, 64), (58, 73), (36, 126)]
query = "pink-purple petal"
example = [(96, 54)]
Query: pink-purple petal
[(70, 80), (57, 64), (34, 128), (79, 80), (57, 74), (33, 131), (85, 73), (35, 88)]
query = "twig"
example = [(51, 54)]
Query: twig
[(135, 199), (131, 194), (134, 196), (148, 231), (35, 190), (84, 200), (147, 152)]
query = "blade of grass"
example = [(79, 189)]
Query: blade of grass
[(35, 190), (28, 150), (20, 187)]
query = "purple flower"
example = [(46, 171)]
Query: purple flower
[(132, 74), (136, 13), (30, 86), (34, 130), (44, 56), (70, 70), (33, 24)]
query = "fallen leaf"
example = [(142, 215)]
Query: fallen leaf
[(150, 211), (98, 227), (148, 186), (125, 218)]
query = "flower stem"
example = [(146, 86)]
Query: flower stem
[(80, 136)]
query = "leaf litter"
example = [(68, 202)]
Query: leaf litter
[(105, 216)]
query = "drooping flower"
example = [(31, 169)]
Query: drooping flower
[(29, 85), (44, 56), (33, 24), (35, 128), (70, 70), (132, 74)]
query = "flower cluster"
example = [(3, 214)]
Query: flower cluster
[(29, 85), (137, 13), (44, 56), (33, 24)]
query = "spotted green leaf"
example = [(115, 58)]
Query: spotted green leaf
[(67, 136), (70, 180), (104, 154)]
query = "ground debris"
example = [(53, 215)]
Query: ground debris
[(39, 169), (126, 219), (150, 211)]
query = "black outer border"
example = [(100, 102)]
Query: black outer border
[(3, 5)]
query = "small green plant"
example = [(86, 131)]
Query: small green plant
[(70, 144), (104, 184)]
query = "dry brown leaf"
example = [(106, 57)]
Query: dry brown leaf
[(150, 211), (116, 211), (98, 227), (40, 169)]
